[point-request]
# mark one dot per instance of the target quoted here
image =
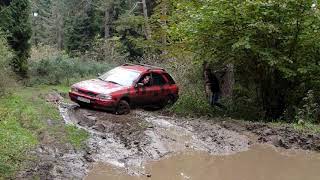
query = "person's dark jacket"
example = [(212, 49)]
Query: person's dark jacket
[(212, 81)]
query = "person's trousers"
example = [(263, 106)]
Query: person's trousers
[(214, 98)]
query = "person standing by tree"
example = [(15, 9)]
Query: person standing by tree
[(212, 86)]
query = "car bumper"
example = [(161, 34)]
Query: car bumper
[(94, 102)]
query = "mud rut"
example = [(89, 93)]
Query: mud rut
[(131, 141)]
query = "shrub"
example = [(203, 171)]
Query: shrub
[(188, 76), (309, 110), (5, 73), (62, 69)]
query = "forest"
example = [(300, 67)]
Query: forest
[(269, 49)]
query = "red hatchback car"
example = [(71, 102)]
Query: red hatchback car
[(126, 86)]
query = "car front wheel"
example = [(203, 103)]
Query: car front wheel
[(123, 108)]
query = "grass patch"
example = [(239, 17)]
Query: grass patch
[(190, 104), (307, 127), (17, 135), (24, 115), (15, 141), (76, 136)]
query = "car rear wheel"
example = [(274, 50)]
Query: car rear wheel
[(123, 108), (168, 102)]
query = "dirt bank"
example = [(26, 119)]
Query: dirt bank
[(284, 136)]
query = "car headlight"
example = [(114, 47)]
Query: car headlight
[(73, 89), (104, 96)]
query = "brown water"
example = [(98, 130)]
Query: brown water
[(259, 163)]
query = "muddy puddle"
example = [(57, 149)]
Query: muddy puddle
[(259, 163)]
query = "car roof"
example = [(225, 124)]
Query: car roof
[(143, 67)]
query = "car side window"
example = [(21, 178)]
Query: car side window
[(170, 79), (145, 80), (158, 79)]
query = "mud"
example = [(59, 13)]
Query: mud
[(284, 136), (259, 163), (132, 141)]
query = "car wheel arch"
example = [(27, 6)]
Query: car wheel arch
[(125, 98)]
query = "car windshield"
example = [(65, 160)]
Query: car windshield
[(121, 76)]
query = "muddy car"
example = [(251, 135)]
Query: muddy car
[(127, 86)]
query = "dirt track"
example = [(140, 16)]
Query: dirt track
[(132, 140)]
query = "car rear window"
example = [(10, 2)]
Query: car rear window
[(170, 79), (158, 79)]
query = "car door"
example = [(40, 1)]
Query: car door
[(142, 93), (158, 87)]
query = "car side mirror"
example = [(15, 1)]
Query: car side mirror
[(139, 85), (99, 74)]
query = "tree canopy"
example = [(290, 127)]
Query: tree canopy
[(274, 45)]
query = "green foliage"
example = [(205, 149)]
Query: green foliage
[(274, 45), (48, 25), (193, 103), (309, 111), (5, 73), (15, 141), (81, 32), (107, 51), (17, 135), (130, 30), (5, 52), (62, 69), (14, 19), (76, 136), (24, 117), (192, 100)]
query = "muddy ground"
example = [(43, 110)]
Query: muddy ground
[(132, 140)]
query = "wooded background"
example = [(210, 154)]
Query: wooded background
[(272, 46)]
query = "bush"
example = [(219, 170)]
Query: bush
[(62, 69), (5, 72), (309, 110), (188, 76)]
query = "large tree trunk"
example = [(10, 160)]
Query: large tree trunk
[(146, 20), (227, 81), (273, 99)]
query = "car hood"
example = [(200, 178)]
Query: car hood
[(98, 86)]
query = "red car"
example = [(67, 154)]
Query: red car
[(126, 86)]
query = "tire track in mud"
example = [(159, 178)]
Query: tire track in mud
[(131, 141)]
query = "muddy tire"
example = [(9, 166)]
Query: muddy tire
[(123, 108)]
